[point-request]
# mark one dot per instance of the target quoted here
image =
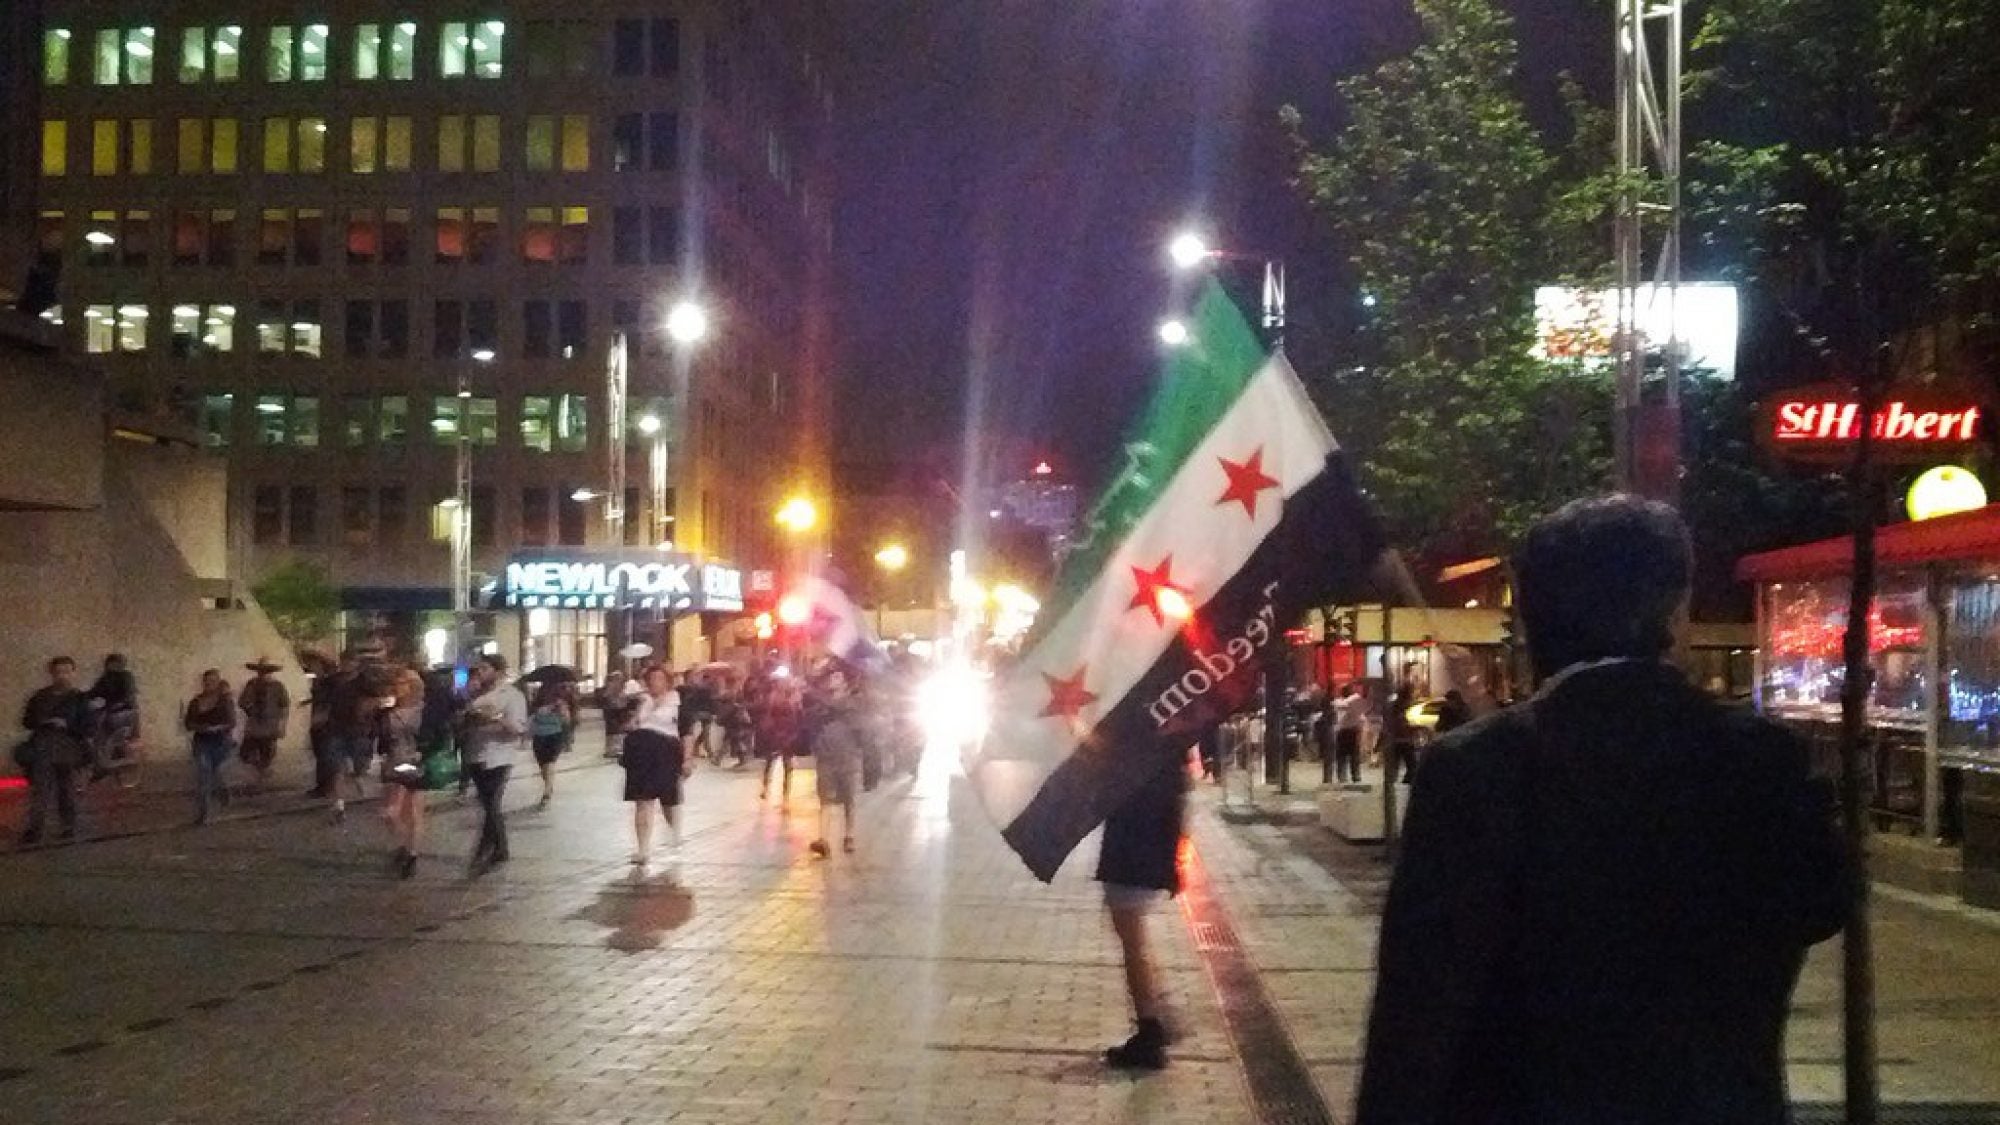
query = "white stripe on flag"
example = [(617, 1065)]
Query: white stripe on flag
[(1108, 640)]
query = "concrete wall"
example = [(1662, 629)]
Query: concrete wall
[(51, 432)]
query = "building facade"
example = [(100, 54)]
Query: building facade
[(344, 237)]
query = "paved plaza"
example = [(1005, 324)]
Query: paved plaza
[(268, 969)]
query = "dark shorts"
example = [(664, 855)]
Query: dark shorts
[(652, 764), (550, 747)]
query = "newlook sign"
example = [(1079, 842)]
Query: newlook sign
[(622, 581)]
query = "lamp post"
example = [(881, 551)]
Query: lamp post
[(1188, 251)]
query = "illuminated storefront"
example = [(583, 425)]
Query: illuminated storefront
[(583, 607)]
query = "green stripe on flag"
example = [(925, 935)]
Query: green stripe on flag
[(1198, 383)]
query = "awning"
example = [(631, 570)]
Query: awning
[(395, 599), (1466, 570), (1969, 537)]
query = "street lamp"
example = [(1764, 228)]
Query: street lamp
[(1188, 250), (1174, 333), (798, 515), (893, 557), (687, 323)]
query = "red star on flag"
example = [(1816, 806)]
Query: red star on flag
[(1246, 480), (1159, 594), (1067, 697)]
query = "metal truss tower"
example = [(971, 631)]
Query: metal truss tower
[(1646, 446)]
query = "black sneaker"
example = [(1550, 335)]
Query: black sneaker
[(1146, 1050)]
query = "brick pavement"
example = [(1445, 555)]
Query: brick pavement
[(268, 970)]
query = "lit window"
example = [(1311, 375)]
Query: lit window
[(446, 418), (576, 143), (226, 53), (392, 416), (482, 416), (100, 238), (396, 144), (139, 150), (222, 146), (139, 43), (362, 142), (364, 236), (203, 329), (453, 44), (312, 53), (277, 144), (305, 329), (55, 56), (357, 420), (539, 144), (488, 41), (305, 421), (271, 327), (271, 410), (106, 59), (191, 147), (367, 52), (538, 235), (451, 143), (194, 54), (135, 240), (537, 427), (100, 328), (218, 417), (403, 52), (104, 148), (572, 423), (189, 238), (55, 148), (451, 234), (486, 143), (279, 45), (573, 245), (132, 328), (312, 144)]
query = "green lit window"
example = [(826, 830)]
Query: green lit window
[(357, 420), (537, 423), (218, 418), (447, 415), (572, 423), (482, 415), (105, 57), (280, 47), (454, 43), (402, 65), (392, 414), (539, 144), (194, 54), (488, 44), (305, 421), (367, 52), (55, 56), (312, 52), (271, 411), (203, 330), (225, 50)]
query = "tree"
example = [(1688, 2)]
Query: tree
[(300, 601), (1453, 209)]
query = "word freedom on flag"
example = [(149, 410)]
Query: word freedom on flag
[(1235, 515)]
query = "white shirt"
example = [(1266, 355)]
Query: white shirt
[(498, 726), (1350, 712), (660, 713)]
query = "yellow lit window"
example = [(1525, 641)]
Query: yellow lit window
[(103, 148), (222, 146), (55, 148), (277, 144), (576, 143), (451, 143), (486, 143), (540, 143), (396, 144), (141, 140), (362, 141), (312, 144), (191, 145)]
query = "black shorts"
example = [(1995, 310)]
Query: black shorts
[(652, 764), (549, 747)]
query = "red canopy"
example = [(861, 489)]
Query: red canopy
[(1966, 537)]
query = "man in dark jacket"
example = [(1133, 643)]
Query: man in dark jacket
[(54, 719), (1605, 894)]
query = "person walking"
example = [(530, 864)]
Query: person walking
[(403, 769), (210, 720), (496, 732), (267, 712), (1350, 721), (350, 711), (656, 762), (778, 731), (837, 750), (1605, 893), (114, 702), (1138, 865), (1401, 732), (552, 724), (55, 718)]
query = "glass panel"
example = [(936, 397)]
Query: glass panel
[(139, 139), (271, 419), (99, 329), (227, 49), (666, 47), (483, 416), (218, 328), (403, 52), (364, 236), (306, 329), (393, 412), (539, 144), (222, 238), (222, 139), (482, 329), (446, 415), (391, 514), (628, 47), (100, 238), (538, 235), (104, 61), (395, 329), (574, 245), (486, 143), (274, 237), (396, 236), (55, 148), (191, 146), (488, 41), (132, 320), (452, 45), (218, 413), (662, 236), (485, 234), (303, 515), (305, 422), (194, 54), (537, 330), (190, 237), (277, 144), (359, 332), (55, 56), (271, 328), (575, 143), (278, 55), (139, 43), (312, 144), (448, 331), (396, 144), (625, 236), (312, 53), (542, 48), (357, 420), (537, 432), (183, 341), (572, 423), (309, 237), (135, 240), (663, 141), (104, 148), (1803, 667), (451, 234), (267, 517), (451, 143), (362, 141), (357, 516), (367, 52), (627, 132), (580, 53), (570, 329)]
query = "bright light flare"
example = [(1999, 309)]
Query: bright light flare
[(1174, 605), (954, 707), (1188, 250), (1174, 333), (794, 609), (687, 323), (893, 557), (798, 515)]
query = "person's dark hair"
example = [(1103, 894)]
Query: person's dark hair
[(62, 662), (1600, 579), (494, 661)]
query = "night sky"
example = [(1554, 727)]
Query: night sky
[(1012, 169)]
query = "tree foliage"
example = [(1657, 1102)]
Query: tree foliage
[(1452, 209), (300, 600)]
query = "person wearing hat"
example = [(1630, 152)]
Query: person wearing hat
[(267, 711)]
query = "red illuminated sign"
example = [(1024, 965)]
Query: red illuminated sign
[(1821, 423)]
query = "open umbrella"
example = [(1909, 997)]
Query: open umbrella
[(637, 650), (552, 674)]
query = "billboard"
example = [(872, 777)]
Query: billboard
[(1577, 324)]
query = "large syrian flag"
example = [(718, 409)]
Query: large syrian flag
[(1234, 515)]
